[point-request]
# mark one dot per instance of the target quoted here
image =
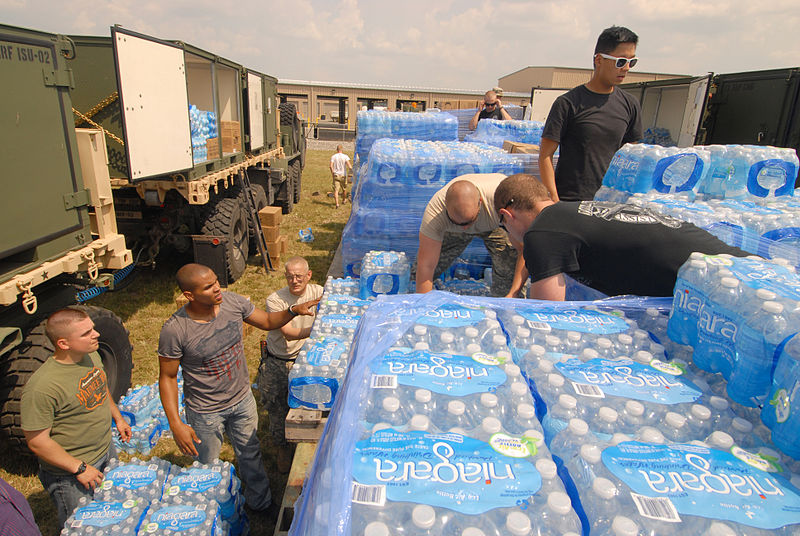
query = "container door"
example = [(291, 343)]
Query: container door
[(155, 106), (543, 100), (255, 102), (38, 153), (671, 111), (695, 106)]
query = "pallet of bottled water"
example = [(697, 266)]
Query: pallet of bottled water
[(320, 367), (203, 125), (466, 114), (723, 171), (372, 125), (435, 432), (496, 131)]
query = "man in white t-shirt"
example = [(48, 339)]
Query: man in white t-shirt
[(281, 349), (340, 163)]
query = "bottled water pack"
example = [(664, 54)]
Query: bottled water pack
[(105, 518), (781, 412), (373, 125), (134, 480), (203, 125), (189, 517), (466, 114), (638, 167), (496, 131), (736, 313), (384, 272)]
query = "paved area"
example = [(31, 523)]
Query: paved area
[(324, 145)]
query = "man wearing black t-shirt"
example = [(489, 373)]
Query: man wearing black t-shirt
[(590, 122), (491, 108), (614, 248)]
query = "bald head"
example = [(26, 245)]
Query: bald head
[(462, 201), (490, 95), (189, 275)]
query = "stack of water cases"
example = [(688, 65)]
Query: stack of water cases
[(399, 180), (141, 407), (384, 272), (465, 115), (496, 131), (373, 125), (203, 126), (748, 172), (435, 432), (213, 488), (319, 370), (643, 444), (771, 230)]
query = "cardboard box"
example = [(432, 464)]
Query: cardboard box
[(276, 262), (231, 133), (271, 232), (274, 247), (212, 148), (270, 216), (284, 242), (519, 147)]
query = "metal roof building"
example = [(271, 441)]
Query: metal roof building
[(565, 78)]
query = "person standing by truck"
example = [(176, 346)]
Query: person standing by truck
[(590, 122), (340, 164), (66, 410), (491, 108), (204, 337)]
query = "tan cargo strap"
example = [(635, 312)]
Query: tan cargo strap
[(93, 269), (95, 125), (29, 301)]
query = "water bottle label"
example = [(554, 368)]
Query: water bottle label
[(678, 173), (339, 321), (385, 259), (581, 320), (771, 177), (324, 350), (759, 461), (180, 517), (454, 375), (773, 277), (699, 481), (628, 379), (101, 514), (782, 404), (514, 447), (195, 480), (451, 315), (129, 477), (342, 299), (443, 470)]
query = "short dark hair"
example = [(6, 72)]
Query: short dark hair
[(188, 274), (59, 324), (612, 37), (523, 189)]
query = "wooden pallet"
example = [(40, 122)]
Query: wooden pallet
[(303, 457), (305, 424)]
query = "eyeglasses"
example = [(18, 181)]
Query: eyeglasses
[(295, 277), (620, 62), (501, 224)]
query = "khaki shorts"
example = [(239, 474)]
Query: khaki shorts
[(339, 182)]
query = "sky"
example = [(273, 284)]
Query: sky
[(459, 44)]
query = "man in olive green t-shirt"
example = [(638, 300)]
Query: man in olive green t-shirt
[(66, 412)]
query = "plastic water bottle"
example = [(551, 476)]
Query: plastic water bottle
[(566, 444), (778, 412), (558, 517), (601, 504), (715, 346), (559, 415), (688, 302)]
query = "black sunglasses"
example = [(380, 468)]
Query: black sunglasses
[(501, 224), (490, 104)]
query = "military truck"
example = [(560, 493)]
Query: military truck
[(184, 126), (59, 236)]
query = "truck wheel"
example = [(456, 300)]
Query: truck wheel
[(260, 198), (229, 219), (297, 171), (285, 197), (115, 352)]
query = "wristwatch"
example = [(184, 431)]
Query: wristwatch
[(80, 470), (291, 312)]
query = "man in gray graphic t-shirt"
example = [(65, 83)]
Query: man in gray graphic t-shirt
[(205, 338)]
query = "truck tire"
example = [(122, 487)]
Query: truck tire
[(260, 197), (297, 171), (286, 192), (228, 218), (115, 351), (289, 118)]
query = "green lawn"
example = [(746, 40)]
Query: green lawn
[(150, 299)]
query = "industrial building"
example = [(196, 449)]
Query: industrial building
[(565, 78)]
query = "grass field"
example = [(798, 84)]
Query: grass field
[(149, 300)]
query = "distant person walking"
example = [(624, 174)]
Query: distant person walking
[(340, 163), (491, 108)]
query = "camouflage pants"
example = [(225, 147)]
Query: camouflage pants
[(273, 384), (504, 256)]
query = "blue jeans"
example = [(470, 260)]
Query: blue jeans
[(66, 491), (240, 423)]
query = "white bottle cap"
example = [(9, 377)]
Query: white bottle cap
[(523, 333), (423, 396), (619, 437), (419, 423), (567, 401), (766, 295), (491, 425), (547, 468), (492, 323), (719, 440), (607, 414), (473, 348), (472, 531), (634, 407), (729, 282), (591, 453), (604, 343), (573, 336), (447, 337), (696, 255), (588, 354), (526, 411), (719, 529), (648, 434), (499, 340), (376, 528), (511, 370), (698, 264), (471, 332), (604, 488), (420, 330), (537, 350), (624, 526), (517, 320), (625, 339), (554, 380), (742, 425), (455, 407), (559, 502), (675, 420), (643, 357), (391, 404), (718, 403), (518, 524), (578, 427), (423, 516), (545, 366), (519, 388), (489, 400), (422, 346), (701, 412), (772, 307), (536, 435)]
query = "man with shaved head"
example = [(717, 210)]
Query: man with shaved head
[(204, 338), (455, 215), (491, 108)]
